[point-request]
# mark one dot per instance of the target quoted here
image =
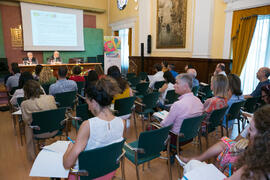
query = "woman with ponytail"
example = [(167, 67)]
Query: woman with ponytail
[(101, 130)]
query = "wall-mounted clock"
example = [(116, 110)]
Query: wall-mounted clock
[(121, 4)]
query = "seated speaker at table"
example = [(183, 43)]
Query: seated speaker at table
[(30, 59), (55, 58)]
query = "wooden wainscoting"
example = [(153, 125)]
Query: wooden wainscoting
[(204, 66)]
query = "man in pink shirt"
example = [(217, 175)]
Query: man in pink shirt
[(187, 105)]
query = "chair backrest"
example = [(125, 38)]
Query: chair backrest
[(171, 97), (123, 106), (216, 118), (48, 121), (195, 90), (46, 88), (150, 100), (153, 142), (20, 100), (83, 112), (100, 161), (142, 88), (235, 110), (130, 75), (134, 81), (250, 105), (190, 127), (100, 59), (65, 99), (143, 76), (80, 86), (91, 59), (158, 84)]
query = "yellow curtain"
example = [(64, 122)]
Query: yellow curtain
[(130, 41), (241, 43), (243, 26)]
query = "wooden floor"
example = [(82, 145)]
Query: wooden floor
[(15, 166)]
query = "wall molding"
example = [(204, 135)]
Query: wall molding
[(124, 24)]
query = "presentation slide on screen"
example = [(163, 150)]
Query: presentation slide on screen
[(47, 28), (53, 29)]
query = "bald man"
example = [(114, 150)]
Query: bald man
[(262, 76), (30, 59), (220, 69), (193, 73)]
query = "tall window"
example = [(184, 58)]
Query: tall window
[(258, 55), (123, 34)]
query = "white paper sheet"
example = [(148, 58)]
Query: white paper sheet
[(161, 114), (49, 164), (19, 112), (58, 147), (207, 172)]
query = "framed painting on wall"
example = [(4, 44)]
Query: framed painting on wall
[(171, 23)]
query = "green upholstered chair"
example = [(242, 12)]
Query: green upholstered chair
[(251, 104), (170, 98), (148, 147), (143, 76), (234, 113), (190, 129), (158, 84), (124, 107), (149, 102), (141, 89), (82, 114), (48, 121), (214, 121), (134, 81), (80, 86), (98, 162), (66, 99), (130, 75), (195, 90), (46, 88)]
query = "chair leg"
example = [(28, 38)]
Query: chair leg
[(14, 124), (137, 173), (123, 168), (142, 123), (238, 126), (135, 125), (169, 159), (148, 163), (221, 129), (206, 138), (200, 143), (143, 166)]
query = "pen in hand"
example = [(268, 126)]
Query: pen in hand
[(71, 140)]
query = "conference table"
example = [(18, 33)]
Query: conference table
[(85, 67)]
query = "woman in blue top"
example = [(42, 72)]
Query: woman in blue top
[(234, 95)]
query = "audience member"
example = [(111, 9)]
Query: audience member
[(76, 74), (168, 85), (13, 80), (171, 68), (37, 71), (99, 71), (193, 73), (227, 151), (219, 86), (62, 85), (266, 93), (262, 76), (126, 91), (30, 59), (254, 163), (92, 79), (187, 105), (55, 58), (220, 69), (234, 95), (35, 101), (164, 65), (188, 66), (25, 76), (156, 77), (101, 130), (46, 76)]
